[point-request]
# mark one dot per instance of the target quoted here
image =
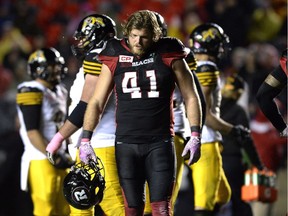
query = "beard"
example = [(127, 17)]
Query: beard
[(136, 50)]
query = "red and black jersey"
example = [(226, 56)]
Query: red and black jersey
[(143, 89)]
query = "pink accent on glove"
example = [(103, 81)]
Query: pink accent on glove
[(192, 148), (86, 151), (55, 143)]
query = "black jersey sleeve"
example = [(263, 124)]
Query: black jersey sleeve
[(29, 101), (280, 75), (110, 54), (265, 97), (171, 47)]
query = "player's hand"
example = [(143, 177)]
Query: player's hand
[(63, 160), (241, 133), (192, 149), (53, 147), (284, 133), (86, 151)]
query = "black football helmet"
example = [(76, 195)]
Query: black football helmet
[(39, 62), (162, 24), (209, 38), (84, 185), (92, 32), (233, 87)]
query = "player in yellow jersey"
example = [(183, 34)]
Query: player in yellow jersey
[(209, 42), (41, 106)]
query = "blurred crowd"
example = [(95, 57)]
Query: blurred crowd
[(257, 30)]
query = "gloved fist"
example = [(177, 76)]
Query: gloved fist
[(53, 147), (241, 133), (192, 149), (63, 160), (284, 133), (86, 151)]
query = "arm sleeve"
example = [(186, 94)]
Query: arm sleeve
[(29, 100), (77, 115), (265, 97), (32, 116), (252, 153)]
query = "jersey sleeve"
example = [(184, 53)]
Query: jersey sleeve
[(280, 75), (109, 55), (191, 61), (170, 49), (91, 64), (208, 74), (29, 101)]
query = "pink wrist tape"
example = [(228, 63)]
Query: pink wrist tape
[(55, 143), (194, 133), (85, 140)]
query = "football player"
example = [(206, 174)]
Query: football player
[(209, 42), (91, 36), (143, 69), (41, 106)]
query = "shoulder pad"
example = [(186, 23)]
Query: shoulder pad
[(169, 44), (207, 73), (111, 46), (206, 66), (92, 57), (29, 96)]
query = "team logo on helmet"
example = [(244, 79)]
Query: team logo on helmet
[(37, 56), (81, 194), (210, 34), (84, 185), (90, 23)]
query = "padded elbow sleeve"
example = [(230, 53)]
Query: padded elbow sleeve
[(77, 115)]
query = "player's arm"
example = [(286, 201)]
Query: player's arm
[(186, 84), (98, 100), (213, 121), (269, 89), (91, 69), (29, 101), (93, 113), (75, 119)]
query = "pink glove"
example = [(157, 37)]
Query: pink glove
[(86, 151), (53, 147), (193, 148)]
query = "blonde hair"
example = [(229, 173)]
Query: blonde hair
[(143, 19)]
